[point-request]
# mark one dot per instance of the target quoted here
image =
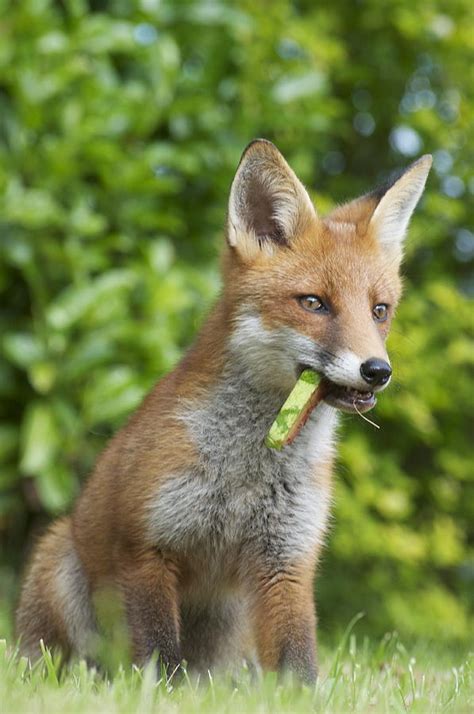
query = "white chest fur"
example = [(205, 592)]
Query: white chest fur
[(240, 493)]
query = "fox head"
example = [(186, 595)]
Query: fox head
[(310, 291)]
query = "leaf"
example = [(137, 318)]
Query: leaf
[(40, 439), (291, 88), (75, 302), (22, 348), (8, 441), (56, 487)]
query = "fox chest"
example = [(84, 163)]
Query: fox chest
[(242, 495)]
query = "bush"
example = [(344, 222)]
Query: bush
[(121, 127)]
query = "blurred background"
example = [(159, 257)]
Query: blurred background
[(121, 125)]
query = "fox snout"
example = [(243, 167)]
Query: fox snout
[(348, 369), (352, 382)]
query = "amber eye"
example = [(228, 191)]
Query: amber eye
[(380, 312), (312, 303)]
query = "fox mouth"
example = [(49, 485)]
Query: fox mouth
[(347, 399), (344, 398)]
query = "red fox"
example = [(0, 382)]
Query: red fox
[(211, 538)]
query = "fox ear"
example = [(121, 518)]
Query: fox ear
[(396, 204), (268, 205)]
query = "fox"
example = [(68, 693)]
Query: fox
[(210, 538)]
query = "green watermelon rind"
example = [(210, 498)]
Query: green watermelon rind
[(292, 408)]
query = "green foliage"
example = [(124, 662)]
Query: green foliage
[(121, 127)]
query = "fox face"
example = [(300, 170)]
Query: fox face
[(306, 291)]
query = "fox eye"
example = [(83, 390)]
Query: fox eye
[(312, 303), (380, 312)]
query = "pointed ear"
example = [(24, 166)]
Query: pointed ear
[(268, 205), (396, 204)]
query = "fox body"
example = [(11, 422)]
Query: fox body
[(211, 538)]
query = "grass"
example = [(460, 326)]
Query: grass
[(356, 677)]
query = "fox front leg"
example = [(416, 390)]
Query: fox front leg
[(149, 586), (285, 622)]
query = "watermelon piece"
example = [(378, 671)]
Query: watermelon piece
[(303, 398)]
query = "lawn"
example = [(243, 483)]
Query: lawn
[(356, 676)]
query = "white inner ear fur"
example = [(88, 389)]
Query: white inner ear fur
[(391, 217), (265, 191)]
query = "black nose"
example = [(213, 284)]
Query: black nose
[(375, 371)]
